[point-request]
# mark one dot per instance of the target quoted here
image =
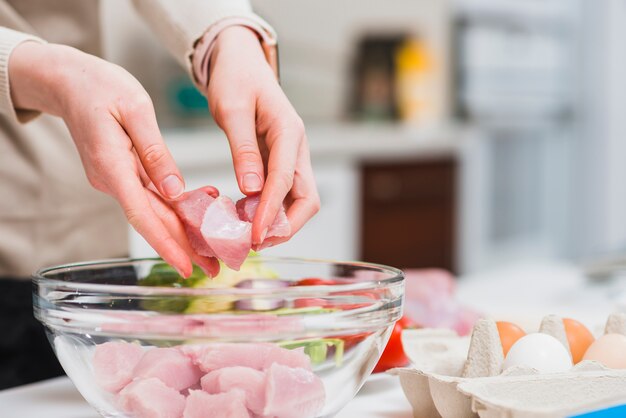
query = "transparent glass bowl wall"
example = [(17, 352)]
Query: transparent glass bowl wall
[(342, 321)]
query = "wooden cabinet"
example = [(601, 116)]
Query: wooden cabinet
[(408, 213)]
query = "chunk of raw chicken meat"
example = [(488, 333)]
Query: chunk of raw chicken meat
[(139, 324), (237, 325), (224, 405), (246, 208), (113, 364), (250, 381), (191, 209), (229, 237), (216, 227), (293, 393), (430, 301), (258, 356), (151, 398), (170, 366)]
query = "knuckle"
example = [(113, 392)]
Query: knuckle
[(138, 102), (247, 152), (133, 216), (288, 128), (293, 125), (227, 109), (168, 240), (283, 178), (154, 155)]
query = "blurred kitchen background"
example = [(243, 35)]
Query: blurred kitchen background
[(461, 134)]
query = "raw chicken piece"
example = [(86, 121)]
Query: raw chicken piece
[(256, 356), (430, 301), (151, 398), (246, 208), (204, 325), (229, 237), (250, 381), (170, 366), (238, 325), (113, 364), (217, 228), (215, 356), (139, 324), (191, 209), (224, 405), (290, 358), (293, 393)]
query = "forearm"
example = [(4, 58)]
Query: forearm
[(182, 23), (36, 73)]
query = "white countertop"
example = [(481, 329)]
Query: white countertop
[(381, 396), (200, 148), (525, 292)]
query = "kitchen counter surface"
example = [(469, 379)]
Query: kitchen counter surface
[(201, 148), (380, 397)]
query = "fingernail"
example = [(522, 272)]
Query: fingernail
[(172, 186), (206, 270), (263, 234), (252, 182), (205, 267), (266, 245), (180, 273)]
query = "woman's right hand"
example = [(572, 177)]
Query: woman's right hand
[(112, 121)]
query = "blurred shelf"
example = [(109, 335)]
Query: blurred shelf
[(196, 149), (547, 14)]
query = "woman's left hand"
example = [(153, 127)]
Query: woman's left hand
[(266, 136)]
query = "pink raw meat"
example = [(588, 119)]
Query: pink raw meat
[(238, 325), (191, 209), (290, 358), (293, 393), (139, 324), (224, 405), (229, 237), (258, 356), (217, 228), (170, 366), (113, 364), (246, 208), (151, 398), (250, 381), (430, 301)]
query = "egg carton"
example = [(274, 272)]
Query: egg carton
[(462, 377)]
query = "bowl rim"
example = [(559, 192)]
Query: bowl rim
[(39, 278)]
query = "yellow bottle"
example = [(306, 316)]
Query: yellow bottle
[(415, 82)]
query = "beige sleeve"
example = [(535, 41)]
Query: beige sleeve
[(9, 39), (180, 24)]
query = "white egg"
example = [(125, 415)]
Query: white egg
[(542, 352)]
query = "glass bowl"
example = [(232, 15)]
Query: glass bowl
[(281, 337)]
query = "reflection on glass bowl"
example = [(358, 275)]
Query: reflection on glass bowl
[(280, 337)]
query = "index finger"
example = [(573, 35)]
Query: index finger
[(283, 154), (173, 224), (132, 197), (305, 201), (139, 122)]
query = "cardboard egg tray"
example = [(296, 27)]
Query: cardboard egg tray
[(462, 377)]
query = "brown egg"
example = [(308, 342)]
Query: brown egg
[(579, 338), (610, 350), (509, 334)]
